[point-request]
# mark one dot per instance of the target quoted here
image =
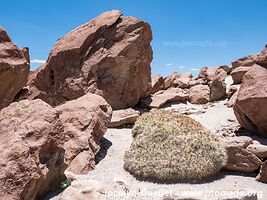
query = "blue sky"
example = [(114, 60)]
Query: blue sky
[(187, 34)]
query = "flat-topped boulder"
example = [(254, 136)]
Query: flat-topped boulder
[(123, 117), (162, 97)]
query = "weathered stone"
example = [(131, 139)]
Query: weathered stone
[(241, 160), (232, 100), (246, 61), (85, 121), (239, 141), (262, 176), (250, 107), (157, 83), (199, 94), (169, 80), (217, 89), (238, 73), (262, 57), (109, 56), (210, 73), (14, 69), (163, 96), (32, 154), (122, 117), (258, 150), (197, 82)]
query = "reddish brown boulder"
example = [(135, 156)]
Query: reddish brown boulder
[(246, 61), (123, 117), (109, 56), (210, 73), (39, 142), (250, 107), (259, 150), (238, 73), (182, 82), (232, 100), (162, 97), (217, 89), (199, 94), (197, 81), (177, 80), (32, 154), (14, 69), (85, 121), (241, 160), (169, 80), (262, 57), (262, 176), (157, 83)]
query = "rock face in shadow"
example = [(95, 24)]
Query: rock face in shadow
[(39, 142), (14, 69), (250, 107), (32, 160), (109, 56)]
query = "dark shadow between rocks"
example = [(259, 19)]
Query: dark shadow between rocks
[(169, 104), (105, 144), (213, 178), (50, 195)]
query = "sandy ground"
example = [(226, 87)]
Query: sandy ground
[(121, 185)]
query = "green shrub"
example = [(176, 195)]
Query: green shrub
[(65, 184), (167, 147)]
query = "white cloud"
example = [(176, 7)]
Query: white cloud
[(194, 69), (37, 61), (169, 64), (182, 67)]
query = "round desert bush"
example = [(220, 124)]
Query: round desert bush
[(173, 148)]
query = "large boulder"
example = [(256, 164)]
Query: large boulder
[(238, 73), (199, 94), (157, 83), (14, 69), (85, 121), (246, 61), (210, 73), (123, 117), (32, 154), (109, 56), (39, 142), (169, 80), (262, 57), (217, 89), (250, 107), (162, 97), (241, 160)]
